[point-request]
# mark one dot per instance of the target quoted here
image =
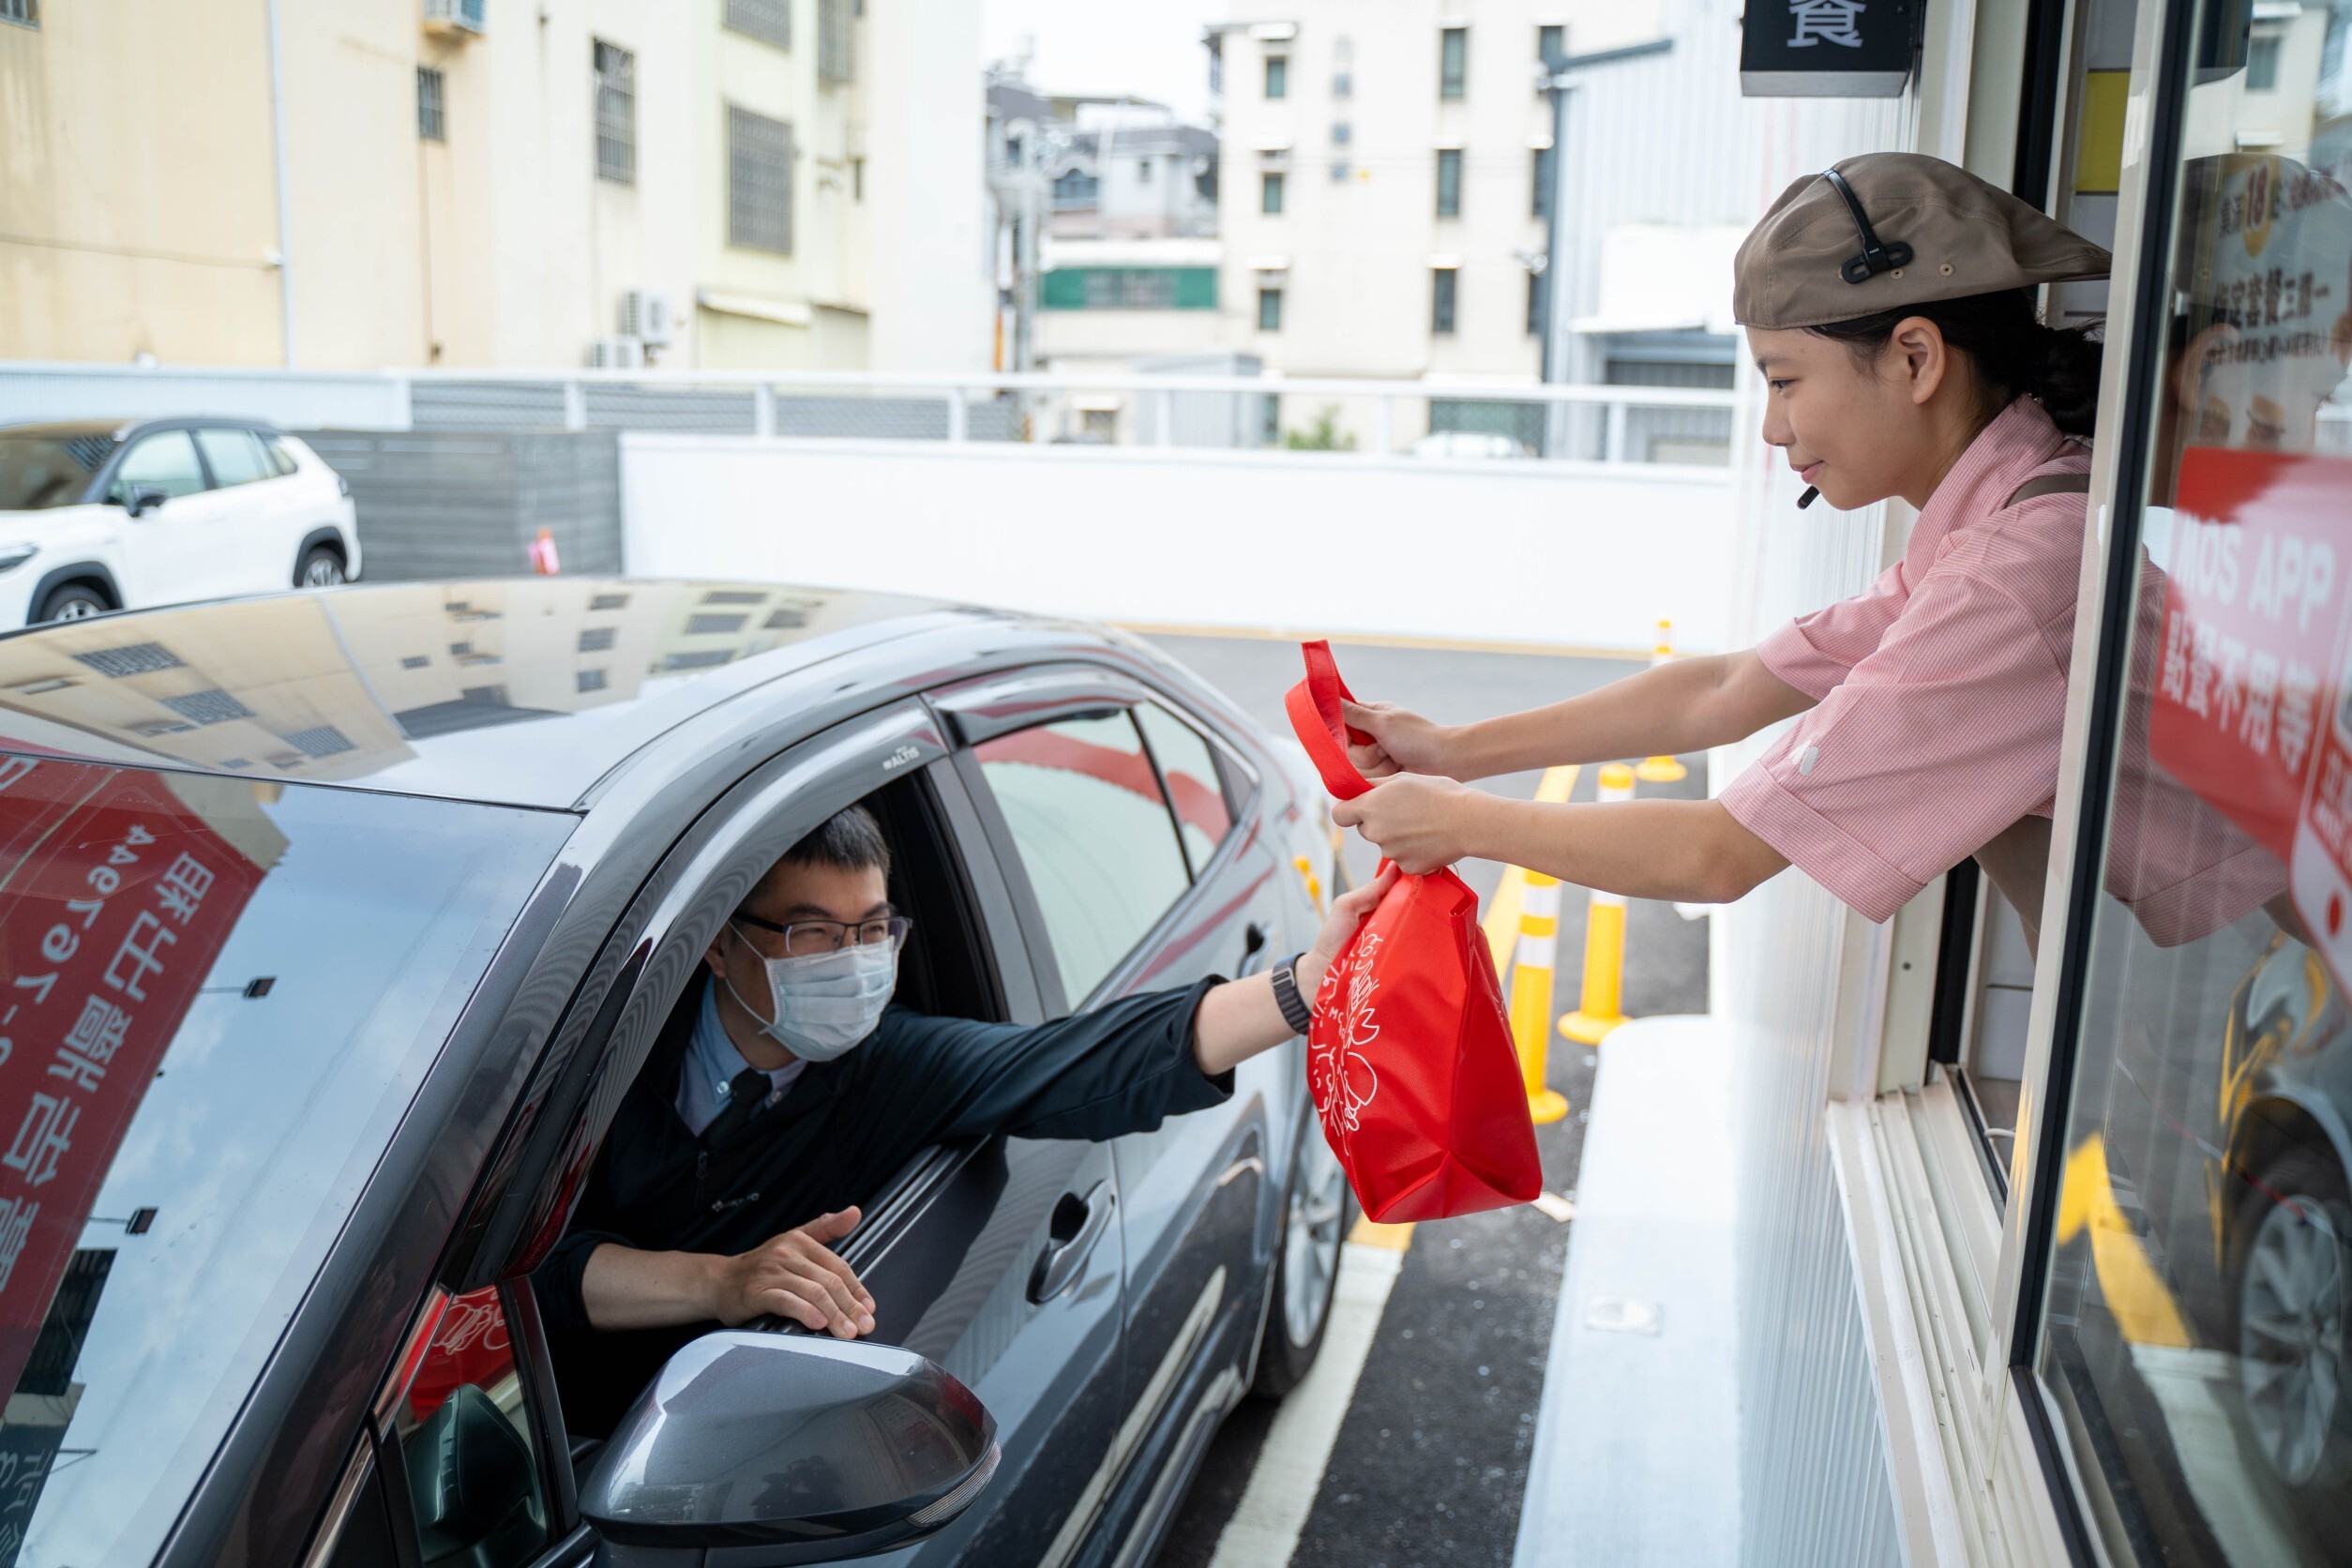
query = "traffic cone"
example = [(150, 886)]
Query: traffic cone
[(1662, 769), (1602, 1006), (1531, 992)]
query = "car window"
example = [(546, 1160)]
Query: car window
[(37, 472), (1093, 830), (281, 462), (235, 457), (473, 1485), (217, 997), (166, 460), (1202, 817)]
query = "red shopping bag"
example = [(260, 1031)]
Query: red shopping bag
[(1409, 1057)]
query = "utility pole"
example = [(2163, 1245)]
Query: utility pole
[(1557, 87)]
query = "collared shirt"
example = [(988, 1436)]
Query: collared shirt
[(1941, 700), (711, 1065)]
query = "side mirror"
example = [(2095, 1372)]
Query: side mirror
[(143, 499), (805, 1449)]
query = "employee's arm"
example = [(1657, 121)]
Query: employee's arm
[(1687, 705), (795, 1276), (1690, 850), (1239, 1019)]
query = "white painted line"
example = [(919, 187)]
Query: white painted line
[(1264, 1529)]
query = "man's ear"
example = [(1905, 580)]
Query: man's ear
[(1926, 358), (713, 957)]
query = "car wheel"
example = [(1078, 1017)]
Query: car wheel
[(74, 601), (322, 567), (1315, 1214), (2293, 1311)]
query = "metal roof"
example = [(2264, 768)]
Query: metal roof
[(525, 690)]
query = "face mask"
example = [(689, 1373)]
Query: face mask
[(826, 1003)]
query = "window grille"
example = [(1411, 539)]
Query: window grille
[(1449, 182), (1442, 299), (1453, 61), (24, 12), (1270, 310), (836, 40), (759, 181), (771, 20), (430, 124), (616, 115)]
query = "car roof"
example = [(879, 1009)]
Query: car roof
[(524, 691)]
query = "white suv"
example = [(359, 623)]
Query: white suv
[(107, 515)]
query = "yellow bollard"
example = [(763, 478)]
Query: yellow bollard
[(1662, 769), (1601, 1007), (1531, 992)]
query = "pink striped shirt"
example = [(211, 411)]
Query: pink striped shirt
[(1941, 698)]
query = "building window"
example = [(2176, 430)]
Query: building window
[(2262, 63), (1270, 310), (1343, 84), (858, 179), (1442, 291), (1551, 45), (1143, 171), (25, 13), (616, 115), (1535, 304), (770, 20), (836, 40), (759, 181), (1449, 182), (1453, 61), (1270, 194), (431, 125), (1277, 76), (1542, 207), (1075, 188), (1143, 287)]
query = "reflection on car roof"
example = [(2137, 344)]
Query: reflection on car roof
[(526, 690)]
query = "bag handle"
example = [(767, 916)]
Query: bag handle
[(1315, 713)]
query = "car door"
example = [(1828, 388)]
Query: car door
[(260, 512), (168, 553), (1122, 891)]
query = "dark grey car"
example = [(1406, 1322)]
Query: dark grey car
[(332, 929)]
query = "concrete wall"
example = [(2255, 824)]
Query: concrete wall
[(1552, 553)]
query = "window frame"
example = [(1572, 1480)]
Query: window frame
[(612, 111), (740, 201), (1270, 292), (433, 105), (1275, 84), (1445, 301), (1273, 190), (1453, 63), (1449, 182)]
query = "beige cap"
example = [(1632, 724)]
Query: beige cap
[(1927, 231)]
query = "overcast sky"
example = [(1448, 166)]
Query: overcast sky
[(1090, 46)]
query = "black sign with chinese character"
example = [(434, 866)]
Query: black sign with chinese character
[(1828, 48)]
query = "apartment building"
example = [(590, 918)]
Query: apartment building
[(346, 184)]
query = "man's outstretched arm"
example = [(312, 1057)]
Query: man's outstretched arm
[(794, 1275)]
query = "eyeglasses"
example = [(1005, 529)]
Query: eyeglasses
[(806, 938)]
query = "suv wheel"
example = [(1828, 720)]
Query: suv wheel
[(322, 567), (1315, 1215), (74, 601), (2294, 1309)]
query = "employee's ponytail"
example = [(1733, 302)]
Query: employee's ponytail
[(2014, 354)]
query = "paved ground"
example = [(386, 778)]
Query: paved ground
[(1431, 1461)]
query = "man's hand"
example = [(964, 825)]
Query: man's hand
[(1348, 912), (796, 1275), (1420, 823), (1402, 741)]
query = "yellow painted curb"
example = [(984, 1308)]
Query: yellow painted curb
[(1396, 1237)]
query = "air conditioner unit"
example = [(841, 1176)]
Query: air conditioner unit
[(454, 16), (616, 353), (647, 315)]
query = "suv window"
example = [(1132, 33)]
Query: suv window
[(220, 997), (166, 458), (281, 462), (1190, 769), (235, 457), (465, 1441), (1085, 811)]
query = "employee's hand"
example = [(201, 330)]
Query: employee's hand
[(797, 1276), (1402, 741), (1420, 823)]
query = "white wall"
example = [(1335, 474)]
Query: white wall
[(1493, 552), (928, 274)]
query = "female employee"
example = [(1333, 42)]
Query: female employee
[(1889, 303)]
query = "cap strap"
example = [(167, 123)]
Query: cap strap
[(1875, 257)]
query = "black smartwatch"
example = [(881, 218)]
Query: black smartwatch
[(1286, 989)]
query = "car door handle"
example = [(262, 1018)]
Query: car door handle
[(1254, 953), (1078, 1224)]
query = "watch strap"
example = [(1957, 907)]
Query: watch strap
[(1295, 1011)]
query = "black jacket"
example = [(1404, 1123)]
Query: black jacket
[(841, 1131)]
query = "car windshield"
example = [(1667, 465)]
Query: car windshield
[(217, 997), (37, 472)]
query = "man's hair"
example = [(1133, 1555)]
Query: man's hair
[(849, 840)]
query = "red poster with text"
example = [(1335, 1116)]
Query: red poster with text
[(115, 897)]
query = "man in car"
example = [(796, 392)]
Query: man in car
[(786, 1086)]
